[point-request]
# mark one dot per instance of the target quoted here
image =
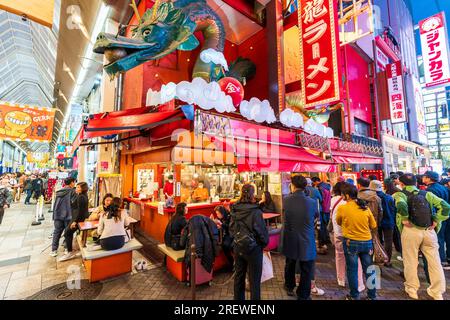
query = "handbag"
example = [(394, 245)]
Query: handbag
[(330, 223), (379, 254), (267, 267)]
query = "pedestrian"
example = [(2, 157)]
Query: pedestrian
[(325, 191), (390, 189), (431, 180), (101, 209), (62, 212), (338, 200), (376, 208), (172, 234), (111, 227), (37, 186), (372, 177), (222, 220), (419, 217), (266, 204), (386, 227), (13, 183), (314, 193), (250, 234), (357, 223), (5, 197), (299, 243), (80, 211), (28, 188)]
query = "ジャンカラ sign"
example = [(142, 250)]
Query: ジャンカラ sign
[(319, 71), (26, 123), (396, 94), (434, 40)]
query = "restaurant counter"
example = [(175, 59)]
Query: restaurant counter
[(154, 223)]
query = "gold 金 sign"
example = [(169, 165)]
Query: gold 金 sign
[(40, 11)]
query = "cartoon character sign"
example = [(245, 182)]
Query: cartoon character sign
[(26, 123), (15, 124)]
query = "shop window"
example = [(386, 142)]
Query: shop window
[(355, 20), (362, 128)]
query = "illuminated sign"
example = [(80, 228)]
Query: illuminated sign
[(434, 40), (319, 72), (396, 94)]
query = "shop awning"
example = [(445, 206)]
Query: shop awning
[(113, 123), (355, 158), (260, 156)]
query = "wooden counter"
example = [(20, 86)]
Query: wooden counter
[(154, 224)]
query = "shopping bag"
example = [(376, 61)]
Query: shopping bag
[(380, 255), (267, 267)]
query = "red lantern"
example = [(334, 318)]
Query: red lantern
[(233, 88)]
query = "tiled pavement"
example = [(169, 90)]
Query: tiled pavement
[(27, 269)]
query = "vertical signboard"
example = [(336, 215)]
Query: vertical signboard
[(434, 40), (319, 72), (419, 111), (396, 94)]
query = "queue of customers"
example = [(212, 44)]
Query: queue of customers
[(71, 208)]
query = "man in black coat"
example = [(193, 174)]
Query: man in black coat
[(299, 243)]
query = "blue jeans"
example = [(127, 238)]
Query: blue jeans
[(354, 250), (29, 194), (324, 237), (444, 241), (59, 225)]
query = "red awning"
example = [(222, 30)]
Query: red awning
[(260, 156), (78, 140), (109, 125), (115, 114), (355, 158)]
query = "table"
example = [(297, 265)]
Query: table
[(92, 225)]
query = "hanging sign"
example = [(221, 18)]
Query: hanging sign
[(434, 41), (396, 93), (319, 71), (38, 157), (26, 123)]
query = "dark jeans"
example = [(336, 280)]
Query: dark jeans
[(2, 213), (68, 236), (324, 237), (387, 236), (112, 243), (59, 225), (362, 250), (252, 262), (29, 194), (306, 275), (444, 241), (397, 240)]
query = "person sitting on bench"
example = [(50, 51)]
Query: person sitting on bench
[(177, 223), (111, 227)]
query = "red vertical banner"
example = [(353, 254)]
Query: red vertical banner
[(319, 45)]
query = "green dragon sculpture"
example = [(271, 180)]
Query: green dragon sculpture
[(164, 28), (320, 115)]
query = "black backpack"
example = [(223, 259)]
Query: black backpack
[(419, 210), (244, 239)]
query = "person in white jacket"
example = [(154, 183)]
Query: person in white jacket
[(336, 201), (111, 228)]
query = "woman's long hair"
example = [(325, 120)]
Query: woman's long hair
[(114, 209), (84, 187), (108, 195), (337, 189), (180, 209), (222, 211), (247, 194), (352, 192), (268, 197)]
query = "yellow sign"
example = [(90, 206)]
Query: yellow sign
[(38, 157), (40, 11)]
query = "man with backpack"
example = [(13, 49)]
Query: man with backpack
[(431, 180), (62, 212), (325, 192), (419, 217)]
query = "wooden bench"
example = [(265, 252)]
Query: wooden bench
[(174, 262), (104, 264)]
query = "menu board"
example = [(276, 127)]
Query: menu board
[(145, 179)]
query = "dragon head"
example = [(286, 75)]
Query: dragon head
[(160, 31)]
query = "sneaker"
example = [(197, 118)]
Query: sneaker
[(362, 288), (53, 253), (144, 265), (68, 256), (439, 297), (138, 266), (399, 258), (446, 268), (317, 291), (341, 283), (412, 295)]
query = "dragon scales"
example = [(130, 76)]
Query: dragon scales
[(164, 28)]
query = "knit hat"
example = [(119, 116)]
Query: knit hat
[(376, 185), (432, 175)]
